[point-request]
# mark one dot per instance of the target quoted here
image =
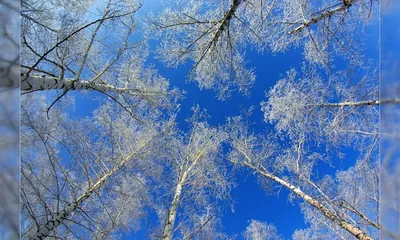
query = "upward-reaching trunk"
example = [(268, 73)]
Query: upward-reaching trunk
[(224, 23), (52, 224), (171, 215), (44, 230), (323, 15), (33, 82), (358, 104), (360, 214), (349, 227), (227, 18)]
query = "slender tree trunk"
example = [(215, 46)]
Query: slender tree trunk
[(49, 226), (230, 13), (323, 15), (358, 104), (52, 224), (360, 214), (37, 82), (354, 230), (44, 230), (225, 21), (171, 215)]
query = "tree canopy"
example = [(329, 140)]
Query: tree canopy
[(111, 150)]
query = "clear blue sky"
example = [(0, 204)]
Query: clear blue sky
[(251, 199)]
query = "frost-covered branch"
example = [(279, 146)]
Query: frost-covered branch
[(349, 227), (262, 156), (198, 171), (214, 39)]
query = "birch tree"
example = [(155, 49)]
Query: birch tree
[(340, 110), (353, 194), (259, 154), (66, 47), (83, 180), (214, 36), (91, 189), (318, 116), (92, 178), (325, 29), (197, 175)]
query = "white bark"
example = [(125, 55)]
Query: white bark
[(358, 104), (36, 82), (45, 229), (361, 215), (340, 8), (354, 230), (171, 215)]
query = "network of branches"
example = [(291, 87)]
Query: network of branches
[(131, 163)]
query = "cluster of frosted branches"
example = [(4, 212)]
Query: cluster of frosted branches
[(197, 176), (215, 35), (70, 48), (83, 177), (101, 175), (325, 29), (341, 110), (340, 203), (261, 230)]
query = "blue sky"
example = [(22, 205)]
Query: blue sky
[(251, 200)]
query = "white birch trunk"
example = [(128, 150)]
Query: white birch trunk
[(52, 224), (171, 215), (37, 82), (354, 230), (323, 15), (44, 230), (359, 104), (360, 214)]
